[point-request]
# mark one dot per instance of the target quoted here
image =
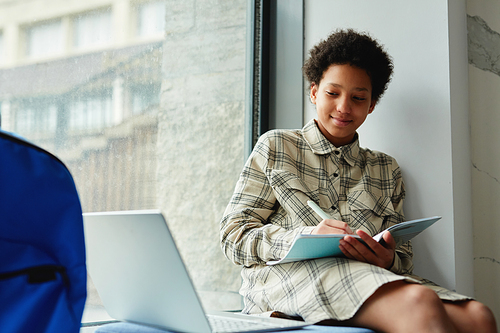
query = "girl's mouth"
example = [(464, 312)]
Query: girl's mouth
[(341, 122)]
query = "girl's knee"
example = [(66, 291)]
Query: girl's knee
[(410, 295), (422, 296), (414, 308), (482, 316)]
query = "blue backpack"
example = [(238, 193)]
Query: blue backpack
[(42, 250)]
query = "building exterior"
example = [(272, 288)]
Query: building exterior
[(82, 79)]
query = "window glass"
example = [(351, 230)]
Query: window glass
[(155, 123), (90, 113), (92, 29), (37, 116), (145, 98), (151, 18), (2, 56), (45, 39)]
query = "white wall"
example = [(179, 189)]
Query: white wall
[(422, 120)]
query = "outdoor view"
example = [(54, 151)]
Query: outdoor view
[(144, 102)]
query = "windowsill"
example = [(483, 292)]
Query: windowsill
[(95, 314), (91, 327)]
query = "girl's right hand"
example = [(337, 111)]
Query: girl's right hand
[(332, 227)]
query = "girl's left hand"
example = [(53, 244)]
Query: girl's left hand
[(381, 255)]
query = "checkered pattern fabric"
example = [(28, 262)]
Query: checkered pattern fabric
[(269, 208)]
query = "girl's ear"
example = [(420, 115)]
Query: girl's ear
[(313, 92), (372, 106)]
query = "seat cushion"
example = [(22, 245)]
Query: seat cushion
[(135, 328)]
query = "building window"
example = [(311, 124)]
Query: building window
[(44, 39), (92, 29), (36, 117), (145, 98), (151, 19), (91, 113), (2, 49)]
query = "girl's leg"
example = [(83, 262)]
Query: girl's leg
[(403, 307), (471, 316)]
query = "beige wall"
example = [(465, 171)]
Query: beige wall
[(484, 99)]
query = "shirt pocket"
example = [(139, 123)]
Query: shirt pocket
[(291, 191), (369, 211)]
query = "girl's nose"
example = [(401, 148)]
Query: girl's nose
[(344, 105)]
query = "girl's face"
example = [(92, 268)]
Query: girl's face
[(343, 101)]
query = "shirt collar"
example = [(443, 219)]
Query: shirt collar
[(320, 145)]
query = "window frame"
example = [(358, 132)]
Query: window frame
[(275, 89)]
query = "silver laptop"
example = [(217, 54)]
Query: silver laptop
[(140, 277)]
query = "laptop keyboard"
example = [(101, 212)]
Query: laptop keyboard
[(223, 324)]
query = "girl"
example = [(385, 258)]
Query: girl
[(363, 190)]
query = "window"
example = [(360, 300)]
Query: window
[(151, 19), (2, 50), (44, 39), (145, 98), (36, 116), (92, 29), (154, 123), (90, 113)]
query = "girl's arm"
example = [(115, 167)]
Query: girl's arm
[(246, 236)]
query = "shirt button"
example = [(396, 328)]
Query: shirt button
[(337, 152), (335, 175)]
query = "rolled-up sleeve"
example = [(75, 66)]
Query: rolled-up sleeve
[(246, 236)]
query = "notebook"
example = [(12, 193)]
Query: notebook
[(305, 246), (141, 278)]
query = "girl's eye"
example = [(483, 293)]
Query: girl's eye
[(331, 93), (359, 98)]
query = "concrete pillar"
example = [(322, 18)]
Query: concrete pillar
[(200, 139)]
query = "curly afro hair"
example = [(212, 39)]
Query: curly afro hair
[(353, 48)]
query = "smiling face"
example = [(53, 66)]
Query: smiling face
[(343, 101)]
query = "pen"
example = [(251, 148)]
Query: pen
[(318, 210)]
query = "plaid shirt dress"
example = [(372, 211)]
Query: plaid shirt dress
[(269, 208)]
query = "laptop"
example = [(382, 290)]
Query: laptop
[(141, 278)]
